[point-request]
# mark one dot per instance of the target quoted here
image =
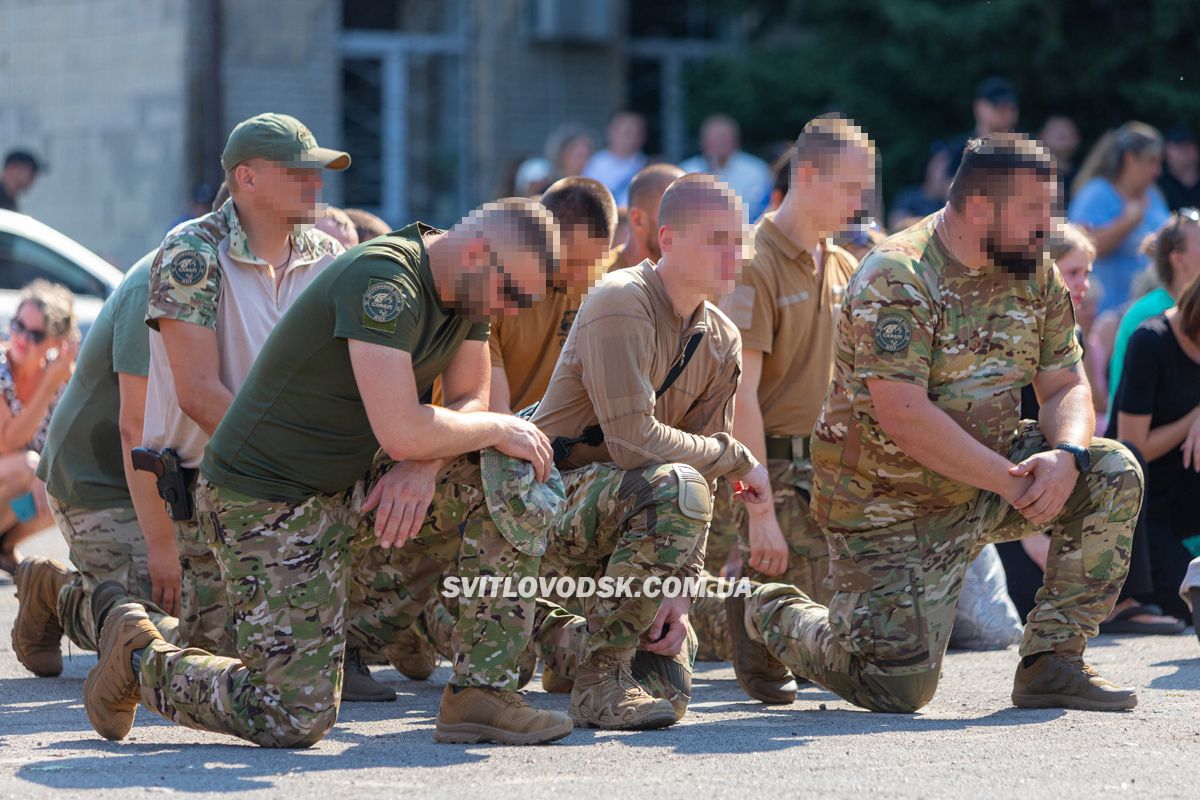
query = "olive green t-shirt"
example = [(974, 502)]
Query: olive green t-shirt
[(298, 427), (82, 463)]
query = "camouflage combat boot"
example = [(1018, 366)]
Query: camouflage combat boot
[(555, 682), (412, 656), (111, 692), (759, 673), (606, 695), (37, 632), (1066, 681), (358, 686), (475, 714)]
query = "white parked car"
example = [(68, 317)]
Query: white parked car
[(30, 249)]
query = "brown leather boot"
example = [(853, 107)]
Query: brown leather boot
[(111, 692), (606, 695), (476, 714), (37, 632), (412, 656), (758, 672), (1066, 681), (555, 682)]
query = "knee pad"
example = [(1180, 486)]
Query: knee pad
[(903, 694)]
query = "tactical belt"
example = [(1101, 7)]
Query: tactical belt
[(788, 448), (593, 435)]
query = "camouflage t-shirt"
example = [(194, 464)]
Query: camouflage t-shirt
[(971, 338)]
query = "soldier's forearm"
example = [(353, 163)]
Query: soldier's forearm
[(928, 435), (1068, 416)]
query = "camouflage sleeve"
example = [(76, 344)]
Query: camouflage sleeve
[(185, 278), (1060, 346), (889, 321)]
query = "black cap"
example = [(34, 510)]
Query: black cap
[(1181, 133), (997, 91), (24, 157)]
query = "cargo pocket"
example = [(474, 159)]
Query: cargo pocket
[(881, 603)]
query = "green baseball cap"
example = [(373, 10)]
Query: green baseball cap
[(279, 137), (526, 512)]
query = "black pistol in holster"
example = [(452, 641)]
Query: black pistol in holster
[(172, 478)]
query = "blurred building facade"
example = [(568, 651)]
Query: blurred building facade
[(130, 101)]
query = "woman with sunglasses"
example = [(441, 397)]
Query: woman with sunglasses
[(35, 364)]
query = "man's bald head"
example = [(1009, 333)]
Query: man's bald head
[(693, 195), (518, 223), (648, 185)]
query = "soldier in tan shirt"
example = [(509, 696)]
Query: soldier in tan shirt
[(786, 304), (525, 347), (645, 193), (638, 479)]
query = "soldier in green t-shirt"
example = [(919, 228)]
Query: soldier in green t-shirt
[(293, 475), (85, 466), (920, 458)]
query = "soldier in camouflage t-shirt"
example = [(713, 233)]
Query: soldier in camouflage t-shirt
[(920, 456)]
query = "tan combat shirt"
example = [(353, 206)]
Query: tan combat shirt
[(625, 339), (782, 311)]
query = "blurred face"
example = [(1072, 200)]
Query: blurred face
[(575, 155), (30, 342), (710, 247), (1061, 138), (995, 117), (1186, 262), (1076, 272), (719, 141), (19, 177), (1142, 169), (1182, 157), (626, 134), (840, 192), (1016, 236), (293, 194), (580, 253), (498, 279)]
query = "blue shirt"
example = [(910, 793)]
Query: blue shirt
[(1098, 204), (747, 175)]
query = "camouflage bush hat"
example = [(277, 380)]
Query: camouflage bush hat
[(279, 137), (525, 511)]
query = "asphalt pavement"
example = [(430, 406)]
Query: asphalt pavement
[(969, 739)]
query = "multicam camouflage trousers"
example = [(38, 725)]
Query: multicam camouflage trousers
[(880, 643), (205, 619), (106, 545), (808, 553), (287, 570), (624, 525)]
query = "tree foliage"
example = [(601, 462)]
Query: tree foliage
[(906, 70)]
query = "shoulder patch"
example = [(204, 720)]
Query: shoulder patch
[(382, 304), (188, 269), (892, 333)]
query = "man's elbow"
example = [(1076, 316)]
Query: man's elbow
[(194, 404)]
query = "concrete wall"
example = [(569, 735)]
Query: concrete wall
[(97, 88), (523, 90), (283, 57)]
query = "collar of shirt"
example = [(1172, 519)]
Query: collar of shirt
[(787, 248), (699, 320), (308, 243)]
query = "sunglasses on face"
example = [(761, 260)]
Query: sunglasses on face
[(510, 292), (33, 335)]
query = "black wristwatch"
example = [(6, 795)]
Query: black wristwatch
[(1082, 456)]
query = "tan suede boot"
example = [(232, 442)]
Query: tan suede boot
[(1066, 681), (111, 692), (37, 632), (476, 714), (605, 695)]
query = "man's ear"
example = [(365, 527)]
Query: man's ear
[(474, 250), (637, 218), (665, 238)]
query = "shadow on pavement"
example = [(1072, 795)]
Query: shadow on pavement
[(1186, 676)]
